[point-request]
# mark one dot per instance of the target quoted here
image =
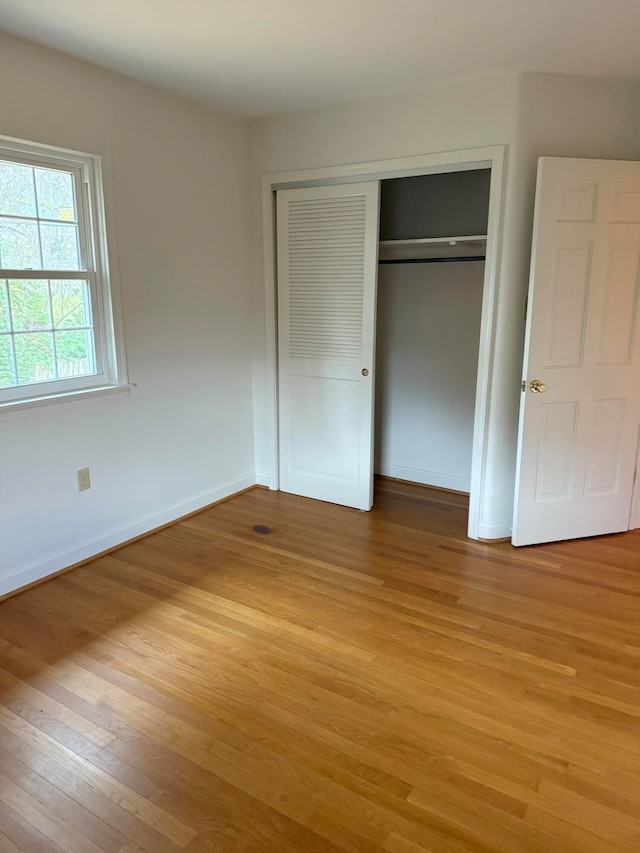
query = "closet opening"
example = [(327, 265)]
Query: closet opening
[(325, 247), (432, 247)]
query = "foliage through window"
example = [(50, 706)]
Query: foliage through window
[(54, 299)]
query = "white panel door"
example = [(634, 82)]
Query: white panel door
[(578, 437), (327, 274)]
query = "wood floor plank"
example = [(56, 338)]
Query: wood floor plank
[(278, 674), (61, 756), (57, 830), (7, 845), (45, 790), (23, 834)]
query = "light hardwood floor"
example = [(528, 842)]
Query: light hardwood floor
[(338, 681)]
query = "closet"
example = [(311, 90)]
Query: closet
[(429, 304), (423, 239)]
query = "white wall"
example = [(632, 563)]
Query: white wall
[(184, 437), (428, 331)]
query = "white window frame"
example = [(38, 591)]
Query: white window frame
[(110, 362)]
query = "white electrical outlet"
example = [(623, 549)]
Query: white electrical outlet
[(84, 479)]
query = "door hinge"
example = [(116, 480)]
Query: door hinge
[(523, 385)]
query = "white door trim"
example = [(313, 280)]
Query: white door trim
[(492, 157)]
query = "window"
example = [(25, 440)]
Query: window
[(57, 331)]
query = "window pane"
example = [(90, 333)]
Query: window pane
[(7, 376), (59, 246), (17, 195), (5, 321), (34, 357), (29, 305), (19, 244), (71, 304), (75, 353), (56, 198)]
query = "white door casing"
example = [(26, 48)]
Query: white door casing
[(327, 257), (488, 471), (578, 439)]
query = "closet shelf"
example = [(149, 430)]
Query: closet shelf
[(433, 248)]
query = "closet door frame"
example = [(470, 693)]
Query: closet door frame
[(492, 157)]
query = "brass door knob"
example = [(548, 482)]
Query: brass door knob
[(364, 371), (538, 387)]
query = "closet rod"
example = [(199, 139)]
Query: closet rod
[(432, 260)]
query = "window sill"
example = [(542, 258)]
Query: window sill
[(67, 399)]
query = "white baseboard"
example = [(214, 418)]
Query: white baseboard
[(87, 548), (425, 478), (263, 479), (495, 529)]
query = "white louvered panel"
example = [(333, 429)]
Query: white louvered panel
[(326, 277), (327, 265)]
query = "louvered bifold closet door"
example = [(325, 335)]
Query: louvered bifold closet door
[(327, 275)]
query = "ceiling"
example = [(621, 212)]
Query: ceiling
[(256, 57)]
